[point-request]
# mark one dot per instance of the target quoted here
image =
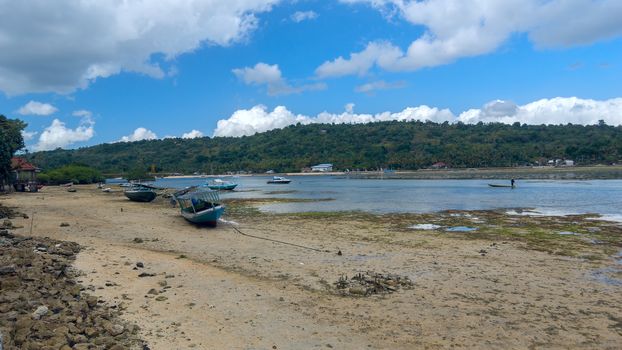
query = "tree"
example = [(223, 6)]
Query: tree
[(11, 141)]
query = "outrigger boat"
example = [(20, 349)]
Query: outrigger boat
[(498, 185), (218, 184), (279, 180), (200, 206), (140, 193)]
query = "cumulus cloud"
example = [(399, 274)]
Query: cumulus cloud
[(463, 28), (380, 85), (559, 110), (139, 134), (83, 113), (58, 46), (192, 134), (28, 135), (270, 76), (300, 16), (260, 119), (59, 135), (37, 108)]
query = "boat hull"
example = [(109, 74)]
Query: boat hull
[(504, 186), (279, 182), (140, 196), (222, 187), (207, 216)]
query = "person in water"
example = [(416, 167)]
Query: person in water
[(512, 182)]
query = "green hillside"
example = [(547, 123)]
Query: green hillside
[(396, 145)]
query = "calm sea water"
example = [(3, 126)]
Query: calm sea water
[(422, 196)]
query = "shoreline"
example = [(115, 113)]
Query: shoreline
[(535, 173), (216, 288)]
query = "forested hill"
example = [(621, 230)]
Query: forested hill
[(396, 145)]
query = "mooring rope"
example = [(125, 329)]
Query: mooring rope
[(277, 241)]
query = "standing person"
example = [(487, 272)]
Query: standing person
[(512, 182)]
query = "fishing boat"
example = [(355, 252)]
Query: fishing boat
[(279, 180), (499, 185), (199, 205), (140, 193), (218, 184)]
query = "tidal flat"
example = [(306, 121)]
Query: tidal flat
[(266, 280)]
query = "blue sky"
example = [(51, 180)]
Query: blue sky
[(88, 74)]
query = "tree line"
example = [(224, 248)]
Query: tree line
[(390, 145)]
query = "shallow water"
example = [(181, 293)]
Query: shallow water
[(425, 196)]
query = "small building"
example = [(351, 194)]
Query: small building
[(568, 162), (24, 175), (326, 167)]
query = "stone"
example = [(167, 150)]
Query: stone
[(40, 312), (140, 264), (153, 291), (115, 329), (161, 298), (7, 270)]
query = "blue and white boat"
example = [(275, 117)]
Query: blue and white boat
[(279, 180), (220, 185), (199, 205)]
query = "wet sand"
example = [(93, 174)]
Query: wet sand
[(214, 288)]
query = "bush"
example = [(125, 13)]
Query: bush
[(71, 173)]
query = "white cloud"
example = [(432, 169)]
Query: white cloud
[(192, 134), (82, 113), (139, 134), (259, 119), (559, 110), (300, 16), (465, 28), (37, 108), (58, 46), (380, 85), (58, 135), (270, 75), (28, 135)]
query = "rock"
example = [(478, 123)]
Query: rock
[(7, 234), (146, 274), (40, 312), (7, 270), (115, 329), (91, 301), (138, 240), (357, 290), (161, 298), (64, 224), (162, 283), (153, 291), (140, 264)]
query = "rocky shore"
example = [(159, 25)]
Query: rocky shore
[(43, 307)]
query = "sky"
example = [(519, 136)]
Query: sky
[(85, 72)]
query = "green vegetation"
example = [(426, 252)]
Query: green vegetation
[(75, 173), (396, 145), (11, 140)]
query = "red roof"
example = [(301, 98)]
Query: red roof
[(21, 164)]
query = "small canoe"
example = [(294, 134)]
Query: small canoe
[(497, 185)]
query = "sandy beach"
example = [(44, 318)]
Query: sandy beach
[(515, 283)]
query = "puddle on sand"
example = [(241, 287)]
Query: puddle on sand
[(567, 233), (460, 229), (425, 227), (611, 275)]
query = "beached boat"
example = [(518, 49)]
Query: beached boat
[(218, 184), (499, 185), (200, 206), (140, 193), (279, 180)]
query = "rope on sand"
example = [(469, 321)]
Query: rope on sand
[(277, 241)]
